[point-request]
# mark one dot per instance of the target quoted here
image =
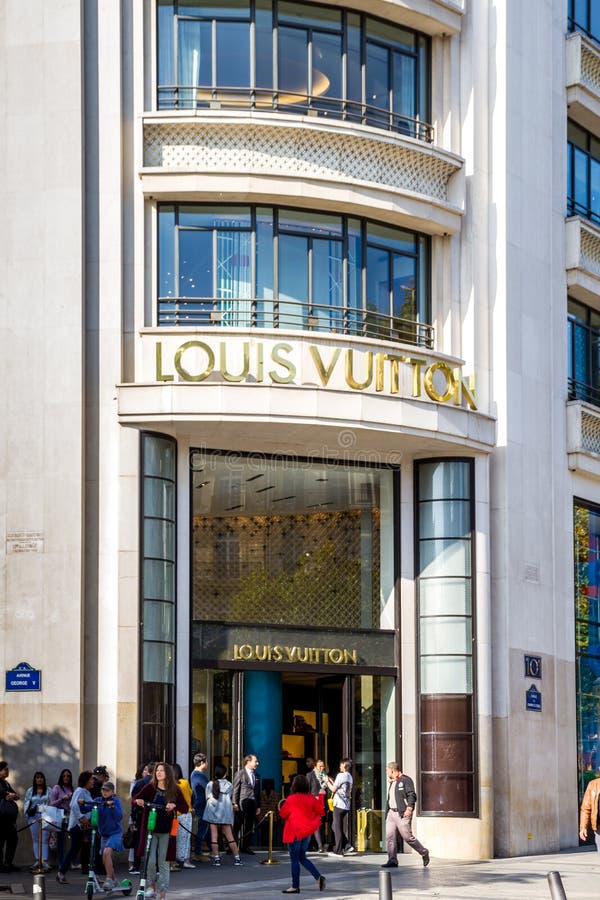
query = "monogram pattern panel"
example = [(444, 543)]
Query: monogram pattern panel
[(297, 152), (589, 250), (590, 432), (590, 67)]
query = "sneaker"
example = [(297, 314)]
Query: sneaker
[(134, 871), (150, 892), (322, 882), (188, 865), (390, 864), (349, 849), (76, 866), (215, 860), (426, 858), (333, 853), (45, 866), (61, 878), (237, 861)]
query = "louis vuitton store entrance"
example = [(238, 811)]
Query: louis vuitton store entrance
[(293, 596)]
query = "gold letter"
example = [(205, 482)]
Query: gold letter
[(468, 389), (223, 366), (394, 360), (350, 380), (186, 376), (160, 376), (350, 656), (287, 365), (416, 367), (259, 362), (428, 382), (324, 373), (379, 360)]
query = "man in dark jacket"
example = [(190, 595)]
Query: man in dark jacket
[(400, 805), (198, 782), (246, 801)]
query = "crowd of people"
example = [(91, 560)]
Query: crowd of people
[(195, 816)]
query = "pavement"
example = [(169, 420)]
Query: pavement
[(358, 876)]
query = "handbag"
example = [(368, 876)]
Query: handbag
[(130, 837), (31, 810), (52, 818)]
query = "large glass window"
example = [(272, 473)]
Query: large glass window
[(586, 528), (583, 173), (293, 56), (445, 525), (287, 542), (287, 268), (584, 15), (584, 353), (158, 597)]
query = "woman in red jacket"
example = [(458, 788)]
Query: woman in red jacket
[(301, 813)]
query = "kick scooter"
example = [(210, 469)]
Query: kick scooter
[(150, 826), (93, 886)]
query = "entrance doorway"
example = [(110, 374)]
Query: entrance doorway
[(287, 717)]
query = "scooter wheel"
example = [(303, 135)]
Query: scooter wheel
[(126, 891), (89, 890)]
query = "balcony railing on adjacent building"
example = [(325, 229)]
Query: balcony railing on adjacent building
[(289, 314), (264, 100)]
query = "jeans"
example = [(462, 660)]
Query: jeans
[(76, 835), (35, 838), (157, 860), (297, 850), (201, 830)]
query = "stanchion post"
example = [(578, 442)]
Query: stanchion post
[(269, 861), (557, 891), (39, 887), (40, 866), (385, 886)]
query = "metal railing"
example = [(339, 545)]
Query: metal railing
[(254, 313), (201, 97), (579, 390)]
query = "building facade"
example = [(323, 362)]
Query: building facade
[(300, 417)]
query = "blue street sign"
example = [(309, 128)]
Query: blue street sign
[(24, 678), (533, 698)]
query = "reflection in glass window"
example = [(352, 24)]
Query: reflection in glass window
[(158, 514), (583, 353), (584, 15), (583, 173), (280, 541), (295, 57), (225, 261), (587, 640), (444, 531)]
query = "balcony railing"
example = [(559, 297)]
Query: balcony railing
[(579, 390), (241, 313), (263, 99)]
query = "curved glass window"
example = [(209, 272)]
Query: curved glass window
[(265, 267), (297, 57)]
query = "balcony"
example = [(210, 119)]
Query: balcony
[(229, 154), (583, 437), (287, 314), (583, 260), (175, 97), (583, 80)]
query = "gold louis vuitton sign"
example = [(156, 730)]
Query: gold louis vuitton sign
[(324, 366), (284, 653)]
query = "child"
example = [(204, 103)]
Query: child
[(110, 828)]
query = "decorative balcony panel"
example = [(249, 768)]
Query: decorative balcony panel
[(583, 80), (274, 148), (583, 261), (583, 437)]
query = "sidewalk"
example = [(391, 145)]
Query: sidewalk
[(356, 877)]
